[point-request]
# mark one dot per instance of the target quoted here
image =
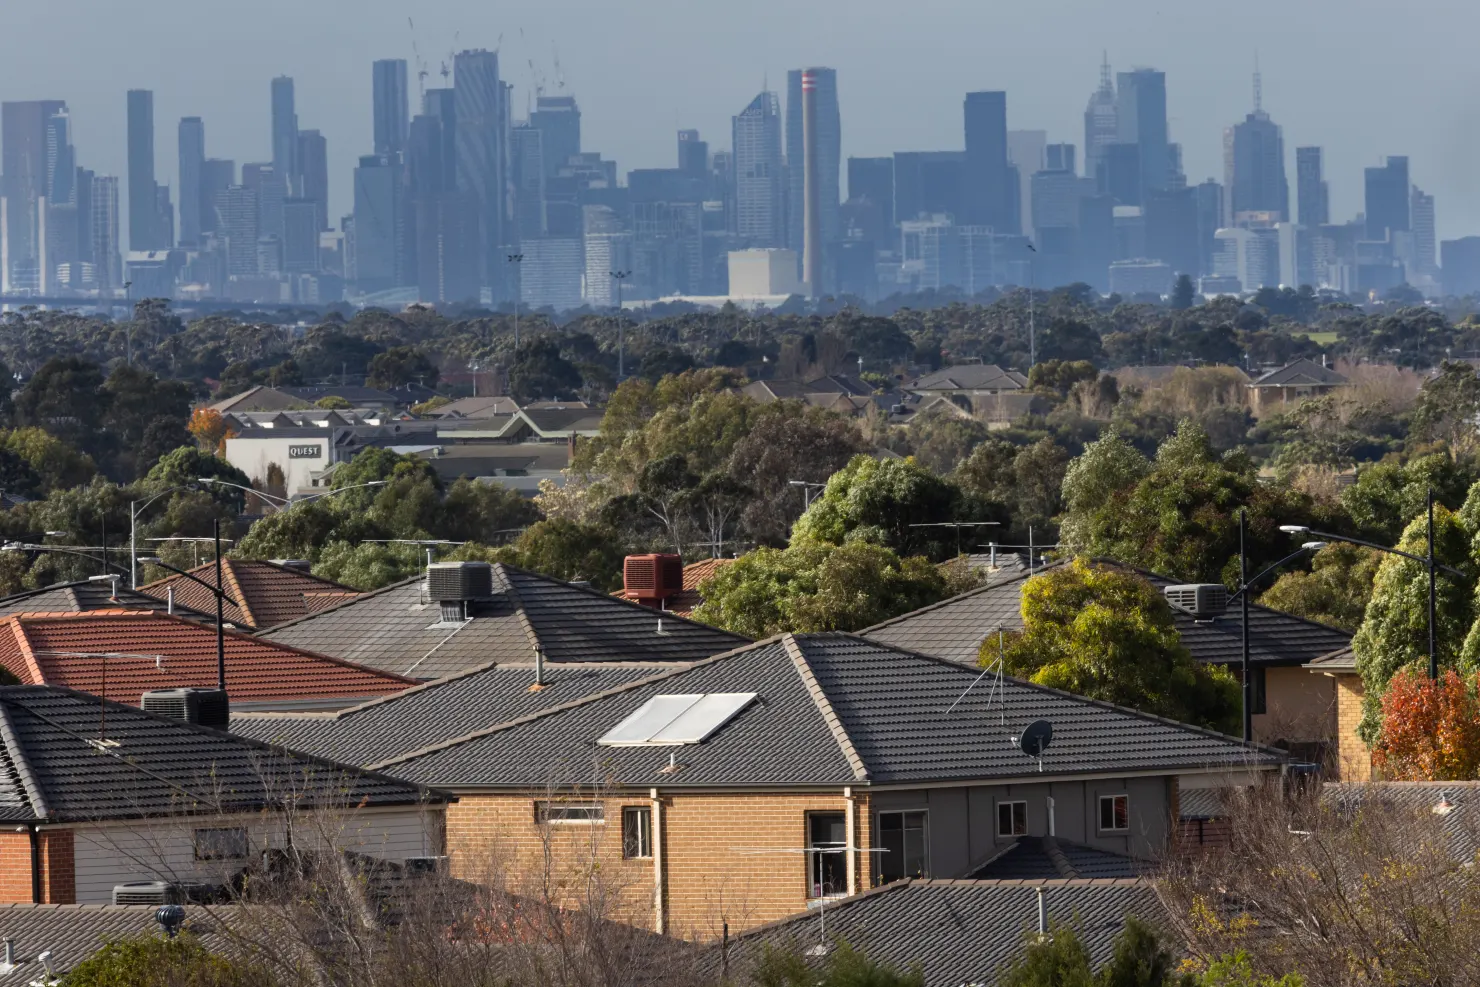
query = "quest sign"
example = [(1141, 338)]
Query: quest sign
[(306, 452)]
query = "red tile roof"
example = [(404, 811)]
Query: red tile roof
[(270, 594), (684, 603), (153, 650)]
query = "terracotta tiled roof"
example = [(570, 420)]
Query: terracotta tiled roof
[(159, 651), (270, 594), (695, 573)]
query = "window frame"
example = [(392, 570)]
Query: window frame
[(1012, 804), (543, 815), (815, 859), (924, 815), (221, 834), (1123, 797), (643, 831)]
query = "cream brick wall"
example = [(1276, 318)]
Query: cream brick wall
[(1354, 757)]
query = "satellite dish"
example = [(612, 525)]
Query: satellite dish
[(1036, 738)]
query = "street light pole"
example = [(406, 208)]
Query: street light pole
[(1032, 311), (128, 298), (1433, 651), (220, 594), (619, 277)]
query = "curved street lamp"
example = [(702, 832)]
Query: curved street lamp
[(279, 503)]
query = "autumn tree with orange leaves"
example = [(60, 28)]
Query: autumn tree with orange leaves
[(209, 428), (1430, 729)]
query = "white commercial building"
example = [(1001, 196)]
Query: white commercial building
[(764, 273)]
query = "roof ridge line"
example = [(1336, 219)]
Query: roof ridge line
[(873, 892), (824, 706), (598, 594), (17, 756), (522, 618), (581, 701), (998, 584), (23, 645), (1057, 857), (228, 575)]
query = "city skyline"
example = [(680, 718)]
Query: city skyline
[(631, 119)]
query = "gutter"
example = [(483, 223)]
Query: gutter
[(35, 832)]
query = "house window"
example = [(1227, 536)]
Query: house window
[(221, 844), (827, 856), (637, 831), (569, 812), (904, 838), (1257, 702), (1115, 813), (1012, 819)]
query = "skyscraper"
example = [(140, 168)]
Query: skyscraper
[(760, 189), (378, 224), (527, 170), (236, 223), (192, 193), (1027, 151), (873, 179), (23, 168), (1141, 119), (1314, 203), (829, 160), (693, 154), (105, 233), (285, 133), (1254, 165), (1388, 202), (482, 151), (558, 119), (216, 176), (390, 101), (438, 105), (145, 231), (1421, 217), (313, 170), (989, 194), (1101, 122)]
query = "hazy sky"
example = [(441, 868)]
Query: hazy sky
[(1362, 78)]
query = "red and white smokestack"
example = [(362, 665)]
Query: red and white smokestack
[(811, 189)]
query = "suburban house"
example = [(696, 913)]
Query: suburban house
[(110, 803), (93, 594), (432, 627), (956, 932), (264, 397), (270, 593), (740, 789), (1292, 709), (122, 654), (840, 393), (1291, 384)]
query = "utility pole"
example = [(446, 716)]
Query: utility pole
[(619, 277), (518, 284)]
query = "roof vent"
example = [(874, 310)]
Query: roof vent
[(1198, 599), (452, 581), (650, 579), (203, 707), (298, 565)]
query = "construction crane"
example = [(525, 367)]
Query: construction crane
[(421, 65), (559, 75)]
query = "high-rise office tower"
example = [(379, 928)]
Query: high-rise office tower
[(107, 259), (693, 154), (928, 183), (811, 202), (236, 223), (558, 119), (1101, 122), (379, 224), (1388, 204), (23, 173), (1254, 165), (300, 246), (389, 98), (482, 153), (285, 133), (313, 170), (760, 187), (1209, 220), (439, 105), (263, 179), (1421, 217), (1141, 116), (1060, 157), (193, 199), (145, 231), (873, 179), (216, 176), (829, 158), (989, 191), (1027, 151), (1314, 197), (527, 161)]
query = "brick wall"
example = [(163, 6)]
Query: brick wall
[(15, 867), (727, 859), (1354, 757), (58, 867)]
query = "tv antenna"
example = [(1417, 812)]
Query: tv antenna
[(996, 690)]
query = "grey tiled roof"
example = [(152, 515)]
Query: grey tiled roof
[(87, 595), (72, 933), (429, 714), (52, 768), (1300, 373), (1044, 858), (1455, 805), (398, 629), (830, 709), (955, 628), (958, 932), (969, 376)]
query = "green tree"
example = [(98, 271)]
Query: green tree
[(538, 372), (883, 501), (1059, 959), (153, 961), (368, 565), (188, 465), (843, 966), (569, 550), (140, 410), (779, 448), (1448, 406), (817, 587), (1183, 293), (399, 366), (333, 402), (1394, 631), (57, 463), (1386, 496), (1139, 959), (1238, 970), (1335, 591), (1097, 481), (66, 398), (1106, 633)]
